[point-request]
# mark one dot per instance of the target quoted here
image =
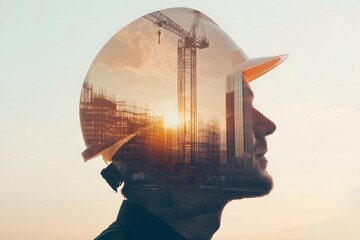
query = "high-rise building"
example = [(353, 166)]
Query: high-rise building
[(239, 134)]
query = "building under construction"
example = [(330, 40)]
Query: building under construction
[(154, 152)]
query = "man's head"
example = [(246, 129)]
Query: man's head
[(214, 150)]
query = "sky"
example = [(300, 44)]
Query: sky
[(47, 47)]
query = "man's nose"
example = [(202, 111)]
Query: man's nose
[(262, 125)]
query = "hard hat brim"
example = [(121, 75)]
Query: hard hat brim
[(255, 67)]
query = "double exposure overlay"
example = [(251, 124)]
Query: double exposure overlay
[(167, 105)]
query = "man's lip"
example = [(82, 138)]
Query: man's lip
[(262, 160), (260, 152)]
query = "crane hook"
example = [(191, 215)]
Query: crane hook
[(159, 33)]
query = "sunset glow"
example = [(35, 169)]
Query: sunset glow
[(171, 119)]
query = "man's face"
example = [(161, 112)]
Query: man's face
[(261, 127)]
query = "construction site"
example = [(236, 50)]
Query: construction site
[(190, 149), (156, 151)]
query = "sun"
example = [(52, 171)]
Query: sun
[(171, 119), (169, 113)]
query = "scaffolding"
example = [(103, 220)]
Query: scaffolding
[(208, 146), (154, 154)]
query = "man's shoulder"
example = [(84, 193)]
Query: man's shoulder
[(134, 222), (116, 231)]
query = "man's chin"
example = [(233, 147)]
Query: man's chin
[(257, 185), (265, 184)]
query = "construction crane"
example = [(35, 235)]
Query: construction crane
[(187, 103)]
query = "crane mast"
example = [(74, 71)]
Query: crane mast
[(187, 102)]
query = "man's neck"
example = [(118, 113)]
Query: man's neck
[(201, 227), (193, 214)]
